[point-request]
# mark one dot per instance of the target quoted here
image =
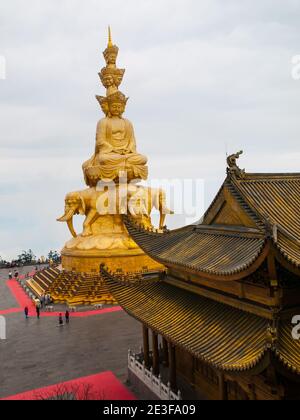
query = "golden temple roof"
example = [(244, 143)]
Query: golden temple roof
[(288, 349), (218, 252), (275, 200), (246, 213), (225, 337)]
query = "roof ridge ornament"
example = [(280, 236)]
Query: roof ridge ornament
[(271, 337), (233, 169)]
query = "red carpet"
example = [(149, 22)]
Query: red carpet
[(10, 311), (23, 300), (19, 294), (103, 386)]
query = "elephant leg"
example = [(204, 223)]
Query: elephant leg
[(91, 217), (162, 221), (163, 209)]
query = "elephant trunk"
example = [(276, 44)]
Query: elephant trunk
[(69, 213), (68, 217)]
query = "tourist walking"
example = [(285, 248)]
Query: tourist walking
[(38, 312), (16, 274), (10, 275), (26, 312), (60, 320), (67, 316)]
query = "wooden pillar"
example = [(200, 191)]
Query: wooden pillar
[(155, 353), (223, 396), (165, 352), (252, 395), (146, 345), (172, 367)]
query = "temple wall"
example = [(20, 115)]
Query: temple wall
[(205, 383)]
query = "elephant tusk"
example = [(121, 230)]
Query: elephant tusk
[(71, 227)]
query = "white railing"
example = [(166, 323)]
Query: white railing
[(153, 382)]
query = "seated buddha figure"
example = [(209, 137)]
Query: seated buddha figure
[(115, 149)]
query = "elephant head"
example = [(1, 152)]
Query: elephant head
[(74, 204)]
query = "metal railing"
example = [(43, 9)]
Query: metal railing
[(154, 383)]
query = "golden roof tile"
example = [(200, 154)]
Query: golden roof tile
[(225, 337)]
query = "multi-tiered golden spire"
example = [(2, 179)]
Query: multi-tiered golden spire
[(115, 142), (114, 160)]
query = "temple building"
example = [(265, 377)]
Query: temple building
[(218, 322)]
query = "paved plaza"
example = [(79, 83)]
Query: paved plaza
[(38, 353)]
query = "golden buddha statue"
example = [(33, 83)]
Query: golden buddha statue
[(115, 149), (104, 238)]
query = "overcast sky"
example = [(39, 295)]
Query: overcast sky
[(204, 77)]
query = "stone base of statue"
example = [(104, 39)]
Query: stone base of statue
[(127, 261), (110, 244)]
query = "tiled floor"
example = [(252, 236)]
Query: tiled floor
[(38, 353)]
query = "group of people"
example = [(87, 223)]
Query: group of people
[(44, 301), (67, 318), (38, 313), (16, 275)]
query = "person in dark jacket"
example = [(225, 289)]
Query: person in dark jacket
[(60, 320), (26, 312), (67, 316), (38, 312)]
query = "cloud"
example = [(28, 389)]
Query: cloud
[(203, 78)]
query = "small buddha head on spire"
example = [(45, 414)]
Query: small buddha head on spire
[(118, 75), (104, 104), (107, 77), (111, 52), (111, 77)]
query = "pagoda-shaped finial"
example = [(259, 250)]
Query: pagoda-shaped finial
[(111, 76), (110, 44), (111, 52)]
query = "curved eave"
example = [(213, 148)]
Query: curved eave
[(232, 275), (253, 251), (290, 253), (288, 349), (226, 338)]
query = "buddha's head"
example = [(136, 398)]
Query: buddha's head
[(103, 103), (107, 77), (118, 76), (111, 54), (116, 109), (116, 104)]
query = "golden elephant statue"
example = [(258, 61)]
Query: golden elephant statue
[(92, 203), (141, 202)]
